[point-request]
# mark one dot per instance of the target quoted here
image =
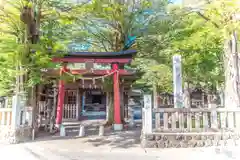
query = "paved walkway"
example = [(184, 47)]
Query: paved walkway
[(40, 151), (116, 146)]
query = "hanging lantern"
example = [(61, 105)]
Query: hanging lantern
[(95, 86), (93, 80), (90, 86)]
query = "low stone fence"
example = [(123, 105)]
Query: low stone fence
[(181, 140), (13, 136), (5, 116), (189, 127), (15, 127)]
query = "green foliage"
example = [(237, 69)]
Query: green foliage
[(201, 47), (108, 23), (187, 34), (108, 84), (105, 24), (18, 57), (68, 77)]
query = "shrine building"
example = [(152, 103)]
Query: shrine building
[(85, 98)]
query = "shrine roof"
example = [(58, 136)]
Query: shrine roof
[(127, 53)]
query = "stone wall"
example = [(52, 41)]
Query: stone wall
[(10, 136), (180, 141)]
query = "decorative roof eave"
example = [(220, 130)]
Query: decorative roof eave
[(94, 60), (83, 72), (102, 72), (103, 54)]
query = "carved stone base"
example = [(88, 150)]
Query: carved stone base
[(10, 136), (179, 141)]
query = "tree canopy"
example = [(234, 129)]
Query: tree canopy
[(156, 30)]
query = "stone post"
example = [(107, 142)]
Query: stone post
[(15, 112), (147, 119), (147, 128), (155, 105), (131, 116), (213, 106), (177, 85), (19, 131), (177, 81), (82, 131)]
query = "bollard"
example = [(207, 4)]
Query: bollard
[(33, 134), (62, 131), (82, 131), (101, 130), (131, 117)]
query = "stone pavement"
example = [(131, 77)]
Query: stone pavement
[(122, 145), (40, 151), (111, 141)]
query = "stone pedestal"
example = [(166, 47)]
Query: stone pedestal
[(101, 130), (118, 127), (82, 131), (14, 136), (18, 129)]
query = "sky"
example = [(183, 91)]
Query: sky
[(177, 1)]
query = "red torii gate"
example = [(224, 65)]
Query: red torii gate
[(113, 58)]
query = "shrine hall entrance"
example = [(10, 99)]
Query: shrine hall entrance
[(87, 104), (94, 105)]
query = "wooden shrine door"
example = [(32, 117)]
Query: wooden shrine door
[(70, 111)]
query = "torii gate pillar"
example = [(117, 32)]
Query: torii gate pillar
[(116, 91)]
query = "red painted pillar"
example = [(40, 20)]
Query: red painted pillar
[(61, 93), (116, 92)]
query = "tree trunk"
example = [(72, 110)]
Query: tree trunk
[(155, 106), (231, 64), (220, 93), (186, 96), (110, 110), (232, 99), (34, 111), (55, 95)]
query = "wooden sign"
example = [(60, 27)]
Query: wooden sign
[(89, 65), (76, 66)]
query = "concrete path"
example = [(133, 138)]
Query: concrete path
[(40, 151), (116, 146)]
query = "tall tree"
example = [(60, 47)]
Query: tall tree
[(51, 24), (223, 15), (179, 32), (114, 25)]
